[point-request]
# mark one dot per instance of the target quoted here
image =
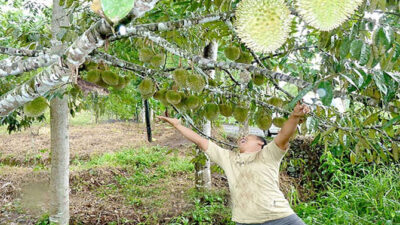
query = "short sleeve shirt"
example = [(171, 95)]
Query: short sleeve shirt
[(253, 182)]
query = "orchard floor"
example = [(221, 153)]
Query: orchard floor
[(24, 175)]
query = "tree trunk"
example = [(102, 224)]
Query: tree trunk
[(148, 121), (203, 172), (59, 176)]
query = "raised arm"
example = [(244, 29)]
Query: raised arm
[(289, 127), (188, 133)]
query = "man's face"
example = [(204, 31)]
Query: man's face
[(249, 143)]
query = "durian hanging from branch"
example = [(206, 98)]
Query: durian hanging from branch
[(327, 15), (263, 25)]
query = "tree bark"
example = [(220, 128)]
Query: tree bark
[(148, 119), (59, 176), (203, 172)]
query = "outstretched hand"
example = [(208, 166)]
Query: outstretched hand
[(173, 121), (300, 111)]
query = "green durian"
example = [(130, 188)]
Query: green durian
[(192, 102), (278, 121), (226, 109), (36, 107), (122, 82), (275, 101), (240, 113), (258, 79), (180, 77), (232, 52), (145, 55), (93, 76), (195, 82), (263, 120), (173, 97), (263, 25), (161, 96), (211, 111), (101, 83), (146, 88), (245, 57), (157, 60), (109, 78), (326, 15)]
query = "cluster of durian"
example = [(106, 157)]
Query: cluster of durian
[(212, 110), (147, 55), (147, 88), (179, 99), (264, 25), (235, 54), (185, 79), (36, 107), (106, 78)]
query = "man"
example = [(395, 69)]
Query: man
[(253, 173)]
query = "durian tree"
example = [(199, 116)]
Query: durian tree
[(271, 54)]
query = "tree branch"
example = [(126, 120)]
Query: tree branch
[(20, 51), (7, 67)]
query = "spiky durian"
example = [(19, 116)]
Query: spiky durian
[(278, 121), (258, 79), (101, 83), (180, 77), (240, 113), (36, 107), (263, 120), (275, 101), (327, 15), (182, 104), (195, 82), (245, 57), (232, 52), (146, 88), (173, 97), (263, 25), (145, 55), (157, 60), (109, 78), (192, 102), (226, 109), (93, 76), (161, 96), (211, 111), (122, 82)]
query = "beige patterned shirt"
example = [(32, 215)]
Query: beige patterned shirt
[(253, 182)]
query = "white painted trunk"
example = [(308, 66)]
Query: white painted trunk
[(203, 172), (59, 176)]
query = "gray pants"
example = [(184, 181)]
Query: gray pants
[(289, 220)]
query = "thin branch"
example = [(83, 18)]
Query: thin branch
[(8, 67), (173, 25), (20, 51), (287, 52)]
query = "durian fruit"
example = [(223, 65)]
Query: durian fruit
[(327, 15), (36, 107), (263, 120), (93, 76), (146, 88), (275, 101), (232, 52), (211, 111), (182, 104), (240, 113), (173, 97), (180, 77), (101, 83), (161, 96), (195, 82), (122, 82), (192, 102), (278, 121), (157, 60), (145, 55), (245, 57), (109, 78), (258, 79), (226, 109), (263, 25)]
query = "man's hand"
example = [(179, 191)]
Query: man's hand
[(300, 111), (173, 121)]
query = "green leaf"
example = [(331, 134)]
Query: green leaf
[(391, 122), (371, 119), (355, 49), (325, 92), (116, 10), (365, 54), (344, 48), (300, 96), (380, 82)]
